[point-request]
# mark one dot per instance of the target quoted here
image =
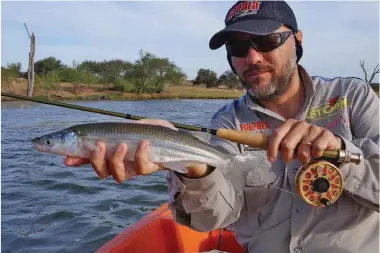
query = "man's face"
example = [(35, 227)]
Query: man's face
[(266, 75)]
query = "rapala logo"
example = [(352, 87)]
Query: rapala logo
[(325, 110), (246, 8), (259, 125)]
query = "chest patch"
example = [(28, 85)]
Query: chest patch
[(328, 109)]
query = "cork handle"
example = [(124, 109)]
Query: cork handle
[(255, 140)]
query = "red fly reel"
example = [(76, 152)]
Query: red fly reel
[(319, 183)]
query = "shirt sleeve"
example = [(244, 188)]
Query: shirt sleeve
[(362, 181), (206, 203)]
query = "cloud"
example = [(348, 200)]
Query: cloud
[(337, 35)]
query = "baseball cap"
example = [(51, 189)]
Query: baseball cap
[(255, 17)]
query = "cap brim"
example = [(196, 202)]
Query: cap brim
[(257, 27)]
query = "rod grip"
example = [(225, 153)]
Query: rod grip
[(255, 140), (258, 140)]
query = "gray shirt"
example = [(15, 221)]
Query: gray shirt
[(268, 220)]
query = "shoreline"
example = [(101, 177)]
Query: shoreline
[(67, 92), (129, 97)]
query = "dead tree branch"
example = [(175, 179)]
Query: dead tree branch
[(31, 62), (27, 30), (375, 71)]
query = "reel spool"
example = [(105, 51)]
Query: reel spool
[(319, 183)]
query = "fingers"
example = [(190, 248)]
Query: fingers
[(98, 162), (143, 164), (325, 141), (299, 139), (304, 152), (76, 161), (121, 169), (275, 140), (307, 144), (117, 166)]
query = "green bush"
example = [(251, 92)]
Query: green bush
[(124, 86)]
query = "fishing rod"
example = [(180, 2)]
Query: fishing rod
[(319, 182), (255, 140)]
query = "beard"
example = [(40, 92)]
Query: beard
[(277, 86)]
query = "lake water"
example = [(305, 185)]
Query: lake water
[(48, 207)]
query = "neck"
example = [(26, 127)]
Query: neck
[(289, 104)]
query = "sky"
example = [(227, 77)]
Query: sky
[(337, 35)]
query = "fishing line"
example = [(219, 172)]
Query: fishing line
[(292, 193), (255, 140)]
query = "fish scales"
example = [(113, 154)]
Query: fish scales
[(144, 131), (173, 149)]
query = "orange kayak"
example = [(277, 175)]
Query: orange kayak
[(158, 232)]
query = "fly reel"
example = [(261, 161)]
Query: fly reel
[(319, 183)]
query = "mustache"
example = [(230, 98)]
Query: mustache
[(257, 68)]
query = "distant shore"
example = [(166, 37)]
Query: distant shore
[(67, 92)]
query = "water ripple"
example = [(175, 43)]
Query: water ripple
[(48, 207)]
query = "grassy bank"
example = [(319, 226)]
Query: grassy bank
[(70, 91), (75, 92)]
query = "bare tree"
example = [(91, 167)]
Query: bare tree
[(31, 63), (375, 71)]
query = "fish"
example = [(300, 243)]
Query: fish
[(172, 148)]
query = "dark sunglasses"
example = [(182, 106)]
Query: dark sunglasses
[(266, 43)]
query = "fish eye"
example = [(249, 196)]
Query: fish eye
[(50, 142)]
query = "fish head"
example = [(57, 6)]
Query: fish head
[(63, 142)]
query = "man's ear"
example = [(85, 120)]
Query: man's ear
[(299, 37), (230, 62)]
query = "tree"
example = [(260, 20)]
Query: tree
[(150, 73), (14, 69), (108, 72), (31, 71), (206, 76), (230, 79), (91, 67), (375, 71), (47, 64)]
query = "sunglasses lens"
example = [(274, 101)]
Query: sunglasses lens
[(238, 48), (268, 43)]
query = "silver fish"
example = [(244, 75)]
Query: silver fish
[(172, 148)]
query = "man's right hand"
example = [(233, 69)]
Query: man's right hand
[(116, 167)]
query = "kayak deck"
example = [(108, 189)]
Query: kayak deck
[(158, 232)]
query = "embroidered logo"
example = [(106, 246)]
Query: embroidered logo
[(243, 9), (259, 125), (328, 109)]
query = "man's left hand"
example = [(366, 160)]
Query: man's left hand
[(302, 138)]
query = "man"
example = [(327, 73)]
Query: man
[(303, 116)]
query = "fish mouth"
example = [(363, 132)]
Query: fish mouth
[(36, 144)]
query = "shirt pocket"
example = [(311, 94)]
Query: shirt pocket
[(267, 206)]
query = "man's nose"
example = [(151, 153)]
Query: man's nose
[(253, 56)]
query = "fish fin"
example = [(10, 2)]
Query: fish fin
[(203, 136), (180, 167)]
